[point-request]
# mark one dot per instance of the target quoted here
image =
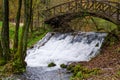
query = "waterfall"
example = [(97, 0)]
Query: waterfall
[(64, 48)]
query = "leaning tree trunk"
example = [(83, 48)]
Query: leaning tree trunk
[(15, 46), (5, 30)]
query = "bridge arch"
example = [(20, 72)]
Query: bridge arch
[(67, 11)]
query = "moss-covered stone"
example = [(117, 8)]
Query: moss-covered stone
[(51, 64), (97, 45), (63, 66)]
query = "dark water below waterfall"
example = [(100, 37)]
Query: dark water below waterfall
[(38, 73)]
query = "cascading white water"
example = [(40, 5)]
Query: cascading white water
[(64, 48), (61, 48)]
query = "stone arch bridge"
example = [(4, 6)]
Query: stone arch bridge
[(65, 12)]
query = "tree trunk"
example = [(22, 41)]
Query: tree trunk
[(31, 24), (28, 9), (38, 20), (31, 16), (5, 30), (1, 51), (23, 41), (15, 46)]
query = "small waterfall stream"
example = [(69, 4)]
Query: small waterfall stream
[(61, 48)]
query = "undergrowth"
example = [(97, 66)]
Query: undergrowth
[(81, 72)]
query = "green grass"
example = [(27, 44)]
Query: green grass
[(0, 26), (11, 30), (36, 36), (104, 24)]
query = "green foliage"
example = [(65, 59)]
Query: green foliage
[(12, 30), (118, 73), (2, 69), (36, 36), (70, 67), (51, 64), (63, 66), (18, 67), (104, 24), (76, 69), (111, 39), (80, 72), (2, 61)]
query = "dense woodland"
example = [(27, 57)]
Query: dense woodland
[(19, 19)]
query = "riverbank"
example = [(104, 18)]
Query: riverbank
[(108, 61)]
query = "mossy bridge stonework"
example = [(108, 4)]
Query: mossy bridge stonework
[(65, 12)]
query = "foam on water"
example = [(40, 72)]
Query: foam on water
[(64, 48)]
